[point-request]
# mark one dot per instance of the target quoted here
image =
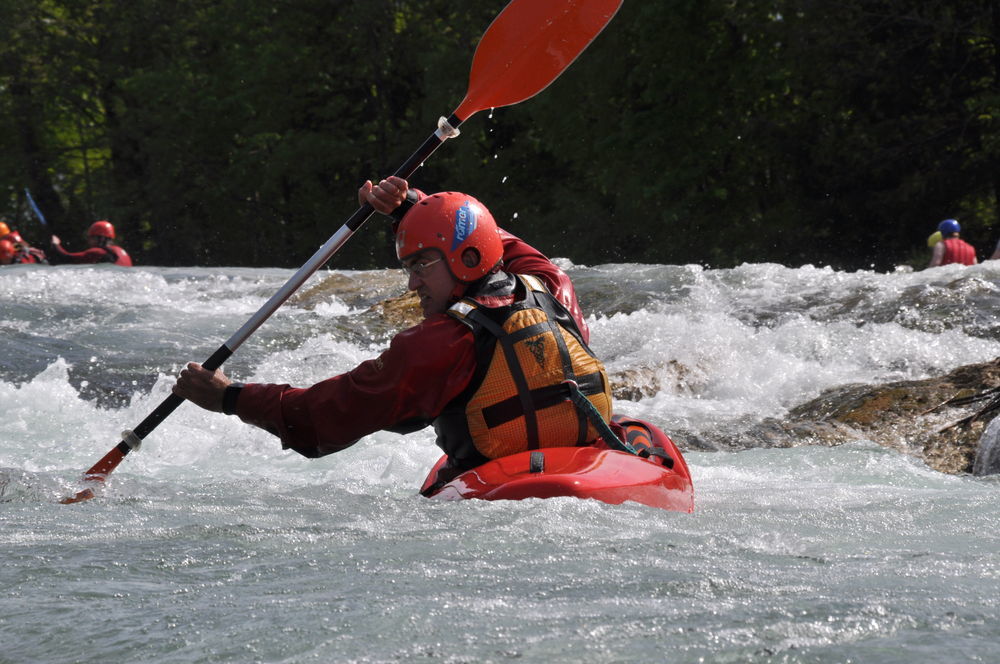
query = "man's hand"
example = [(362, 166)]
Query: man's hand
[(55, 240), (386, 196), (202, 387)]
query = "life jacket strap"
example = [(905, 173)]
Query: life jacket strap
[(584, 405), (542, 397)]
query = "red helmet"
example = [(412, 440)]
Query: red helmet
[(101, 229), (458, 226), (14, 238), (7, 250)]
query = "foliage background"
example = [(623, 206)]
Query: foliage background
[(236, 132)]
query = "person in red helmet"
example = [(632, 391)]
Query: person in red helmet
[(489, 366), (101, 247), (23, 252), (7, 252)]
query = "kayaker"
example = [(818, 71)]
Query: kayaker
[(951, 248), (101, 247), (7, 252), (470, 276), (23, 252)]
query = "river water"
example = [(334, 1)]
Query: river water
[(211, 544)]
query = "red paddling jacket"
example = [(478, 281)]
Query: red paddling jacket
[(424, 370)]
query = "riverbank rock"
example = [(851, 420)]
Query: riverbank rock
[(912, 417)]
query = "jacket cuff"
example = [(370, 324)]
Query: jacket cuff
[(412, 196), (229, 398)]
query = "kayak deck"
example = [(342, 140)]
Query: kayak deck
[(606, 475)]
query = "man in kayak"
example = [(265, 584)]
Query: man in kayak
[(501, 350), (101, 247), (951, 248)]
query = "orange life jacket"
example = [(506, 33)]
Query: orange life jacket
[(518, 399)]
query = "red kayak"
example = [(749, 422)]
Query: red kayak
[(611, 476)]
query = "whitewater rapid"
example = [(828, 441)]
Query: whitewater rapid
[(213, 544)]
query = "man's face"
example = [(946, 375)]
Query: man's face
[(431, 279)]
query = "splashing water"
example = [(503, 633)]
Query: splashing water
[(213, 544)]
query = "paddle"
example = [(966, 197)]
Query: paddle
[(524, 49), (34, 206)]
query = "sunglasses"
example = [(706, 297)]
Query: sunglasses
[(419, 268)]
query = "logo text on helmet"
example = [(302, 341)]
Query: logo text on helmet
[(465, 223)]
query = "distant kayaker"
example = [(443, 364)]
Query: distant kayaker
[(7, 252), (485, 398), (101, 247), (22, 251), (951, 248)]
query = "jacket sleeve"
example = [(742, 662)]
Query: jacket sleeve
[(92, 255), (408, 385)]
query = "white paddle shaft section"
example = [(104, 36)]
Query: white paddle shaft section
[(324, 254)]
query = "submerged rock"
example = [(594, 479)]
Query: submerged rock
[(356, 290), (399, 312), (636, 383)]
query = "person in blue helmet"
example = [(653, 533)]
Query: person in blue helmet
[(951, 248)]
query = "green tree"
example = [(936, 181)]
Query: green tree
[(236, 132)]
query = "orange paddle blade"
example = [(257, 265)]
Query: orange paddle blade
[(527, 46), (81, 496), (107, 463), (97, 473)]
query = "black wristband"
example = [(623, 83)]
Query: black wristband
[(229, 398), (411, 199)]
